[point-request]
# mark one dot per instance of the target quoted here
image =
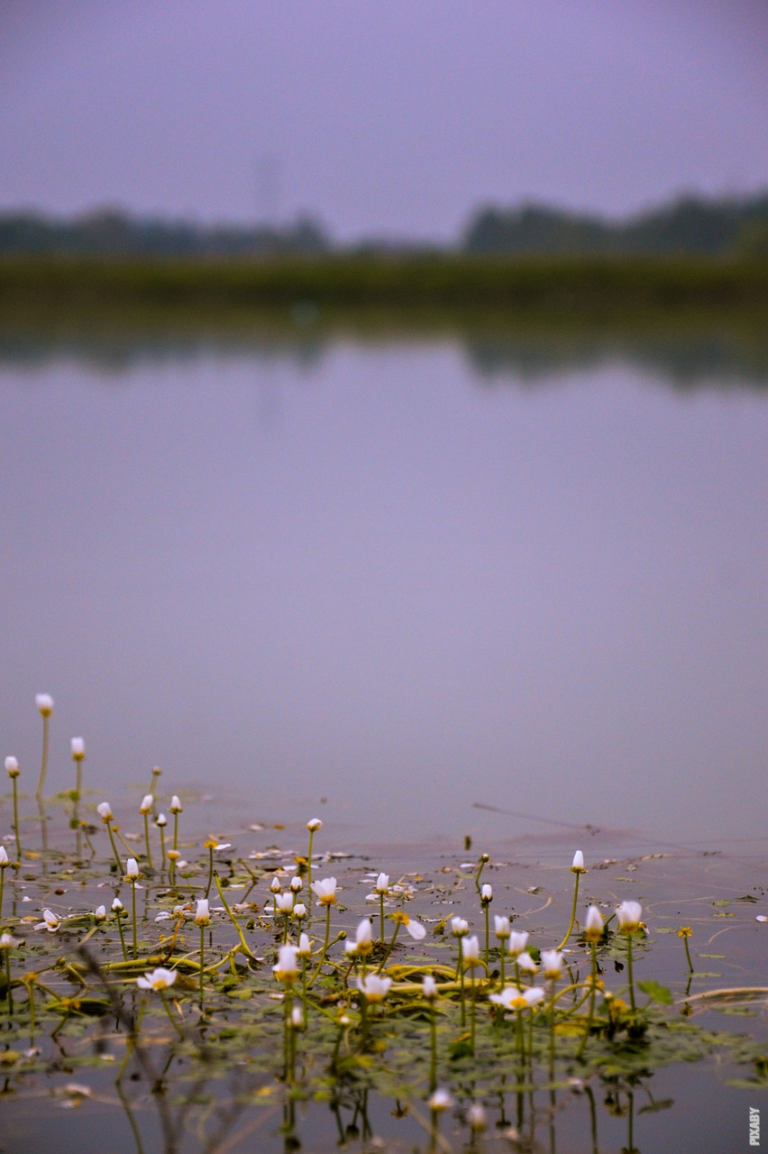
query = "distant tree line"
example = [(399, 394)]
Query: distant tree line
[(114, 232), (728, 226), (689, 225)]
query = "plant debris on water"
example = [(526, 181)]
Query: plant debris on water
[(238, 985)]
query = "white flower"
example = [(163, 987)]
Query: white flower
[(417, 931), (100, 913), (439, 1101), (158, 979), (104, 810), (364, 936), (203, 912), (314, 824), (629, 915), (502, 929), (517, 942), (132, 869), (44, 703), (299, 910), (429, 987), (12, 765), (552, 964), (486, 894), (284, 902), (4, 859), (373, 988), (175, 806), (50, 922), (297, 884), (146, 803), (511, 998), (8, 943), (287, 968), (325, 891), (304, 948), (274, 885), (471, 952), (350, 949), (578, 863), (223, 845), (526, 963), (117, 905), (593, 928), (459, 927), (382, 883), (78, 748), (297, 1018), (476, 1116), (161, 819)]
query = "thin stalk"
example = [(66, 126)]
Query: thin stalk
[(629, 975), (588, 1030), (433, 1048), (8, 980), (552, 1031), (461, 982), (385, 959), (243, 944), (30, 984), (133, 911), (202, 964), (685, 943), (487, 936), (175, 831), (325, 940), (309, 862), (168, 1011), (502, 963), (473, 1011), (43, 761), (162, 848), (2, 887), (210, 870), (122, 935), (146, 838), (381, 917), (114, 847), (577, 875), (16, 818)]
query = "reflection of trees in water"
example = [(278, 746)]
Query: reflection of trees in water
[(703, 355), (685, 361)]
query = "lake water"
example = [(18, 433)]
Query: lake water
[(383, 580)]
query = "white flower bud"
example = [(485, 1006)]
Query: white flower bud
[(132, 869), (44, 703), (314, 824), (146, 804), (578, 863), (78, 748), (12, 766), (176, 806), (203, 913), (104, 810)]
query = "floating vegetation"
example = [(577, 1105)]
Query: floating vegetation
[(228, 982)]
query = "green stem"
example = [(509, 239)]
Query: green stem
[(162, 849), (202, 964), (685, 943), (133, 911), (114, 847), (176, 831), (146, 838), (31, 996), (118, 916), (169, 1012), (473, 1010), (16, 819), (552, 1031), (381, 917), (573, 911), (309, 865), (629, 974), (2, 887), (243, 944), (385, 959), (325, 942), (43, 761), (588, 1030), (487, 936), (502, 962), (8, 979), (461, 981), (210, 870), (433, 1049)]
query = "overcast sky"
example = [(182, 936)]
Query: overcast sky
[(391, 118)]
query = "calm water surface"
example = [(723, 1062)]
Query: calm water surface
[(381, 577)]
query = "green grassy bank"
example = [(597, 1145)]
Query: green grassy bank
[(450, 282)]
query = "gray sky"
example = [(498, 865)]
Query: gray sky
[(389, 118)]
